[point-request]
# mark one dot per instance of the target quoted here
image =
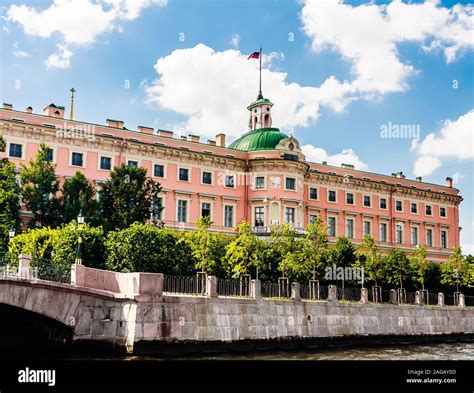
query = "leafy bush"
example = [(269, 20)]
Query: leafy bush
[(147, 248)]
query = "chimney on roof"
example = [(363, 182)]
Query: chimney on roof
[(220, 138), (29, 110), (7, 106), (114, 123), (419, 178), (449, 182), (145, 130), (194, 138), (165, 133), (211, 142), (400, 175), (348, 166), (54, 111), (324, 162)]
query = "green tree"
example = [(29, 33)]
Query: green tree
[(396, 268), (368, 251), (201, 243), (147, 248), (127, 197), (40, 186), (420, 265), (244, 252), (457, 271), (309, 259), (283, 247), (9, 199), (78, 196)]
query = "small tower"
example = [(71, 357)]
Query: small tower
[(260, 113)]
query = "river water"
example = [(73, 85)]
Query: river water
[(451, 351)]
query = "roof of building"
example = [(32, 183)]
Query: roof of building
[(260, 139)]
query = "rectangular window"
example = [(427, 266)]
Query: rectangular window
[(206, 209), (383, 203), (350, 198), (49, 154), (77, 159), (429, 237), (156, 208), (229, 216), (259, 182), (398, 206), (332, 226), (383, 232), (206, 177), (312, 217), (290, 215), (182, 210), (15, 150), (183, 174), (313, 193), (414, 208), (399, 234), (290, 183), (132, 164), (414, 236), (159, 170), (259, 216), (442, 212), (428, 210), (367, 201), (350, 228), (332, 196), (105, 163), (444, 239), (229, 182), (367, 228)]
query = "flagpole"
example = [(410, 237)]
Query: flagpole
[(260, 85)]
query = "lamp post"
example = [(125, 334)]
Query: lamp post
[(80, 223), (11, 235)]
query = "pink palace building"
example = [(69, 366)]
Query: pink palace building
[(262, 177)]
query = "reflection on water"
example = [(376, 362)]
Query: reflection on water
[(452, 351)]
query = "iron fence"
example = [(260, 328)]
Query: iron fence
[(5, 259), (469, 300), (185, 285), (276, 290), (348, 294), (46, 269), (232, 287)]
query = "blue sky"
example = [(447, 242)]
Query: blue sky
[(182, 65)]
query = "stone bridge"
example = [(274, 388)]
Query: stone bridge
[(129, 312)]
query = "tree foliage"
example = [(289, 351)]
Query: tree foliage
[(9, 199), (39, 188), (457, 270), (396, 268), (127, 197), (368, 252), (420, 265)]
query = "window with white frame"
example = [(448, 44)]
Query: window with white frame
[(399, 233), (260, 182), (156, 208), (206, 177), (442, 212), (332, 196), (428, 210), (367, 201), (290, 215), (105, 163), (350, 228), (132, 163), (414, 236), (205, 209), (429, 237), (383, 203), (383, 232), (229, 181), (313, 193), (399, 206), (332, 226), (158, 170), (15, 150), (444, 239), (259, 213), (290, 183), (77, 159), (367, 228), (182, 210), (228, 216), (350, 198), (413, 208), (183, 174)]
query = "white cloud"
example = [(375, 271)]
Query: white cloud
[(235, 41), (367, 36), (78, 22), (347, 156), (17, 52), (212, 89), (60, 59), (454, 140), (457, 176)]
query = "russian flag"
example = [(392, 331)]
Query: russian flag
[(254, 55)]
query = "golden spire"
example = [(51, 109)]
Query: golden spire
[(71, 111)]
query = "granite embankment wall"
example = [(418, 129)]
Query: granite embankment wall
[(154, 319)]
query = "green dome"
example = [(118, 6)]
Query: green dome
[(261, 139)]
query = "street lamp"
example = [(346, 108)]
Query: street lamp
[(80, 223), (11, 234)]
